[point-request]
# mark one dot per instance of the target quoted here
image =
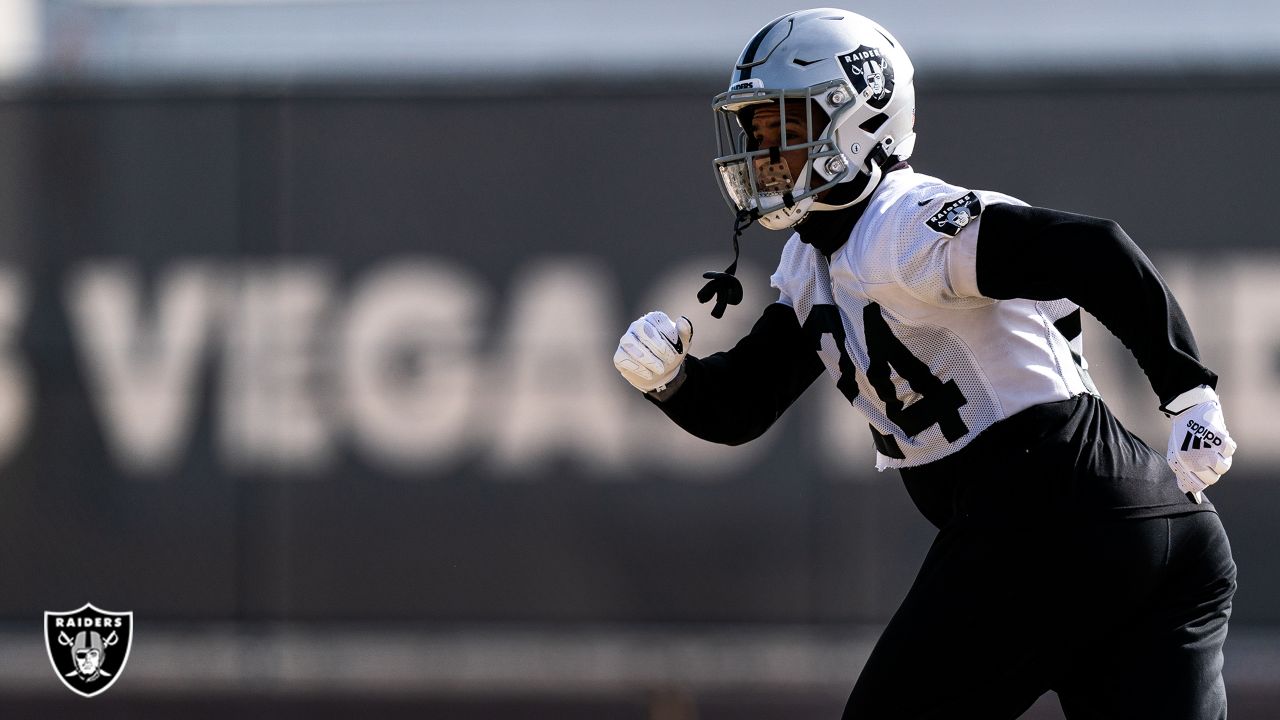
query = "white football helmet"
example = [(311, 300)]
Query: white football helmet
[(835, 60)]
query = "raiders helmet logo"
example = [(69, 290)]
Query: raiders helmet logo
[(88, 647), (871, 74), (956, 215), (748, 84)]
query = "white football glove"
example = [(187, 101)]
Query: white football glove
[(652, 350), (1200, 447)]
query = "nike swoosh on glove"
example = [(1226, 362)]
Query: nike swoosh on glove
[(1200, 447)]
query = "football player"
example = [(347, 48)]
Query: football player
[(1070, 556)]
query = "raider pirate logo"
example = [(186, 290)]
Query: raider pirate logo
[(868, 68), (955, 215), (88, 647)]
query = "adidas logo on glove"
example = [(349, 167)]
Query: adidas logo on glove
[(1199, 436)]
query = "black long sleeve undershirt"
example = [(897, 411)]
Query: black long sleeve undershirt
[(1040, 254), (732, 397)]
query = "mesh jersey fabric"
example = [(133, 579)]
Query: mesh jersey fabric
[(903, 270)]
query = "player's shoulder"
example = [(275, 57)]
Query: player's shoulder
[(795, 265), (914, 207), (908, 234), (907, 188)]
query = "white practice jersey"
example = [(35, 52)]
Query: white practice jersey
[(908, 337)]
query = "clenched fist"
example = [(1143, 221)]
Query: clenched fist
[(652, 350), (1200, 447)]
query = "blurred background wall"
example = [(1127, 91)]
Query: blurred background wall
[(307, 310)]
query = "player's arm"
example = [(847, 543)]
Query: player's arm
[(729, 397), (1040, 254)]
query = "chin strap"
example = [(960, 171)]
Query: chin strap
[(725, 286)]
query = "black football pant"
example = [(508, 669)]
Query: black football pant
[(1123, 617), (1125, 620)]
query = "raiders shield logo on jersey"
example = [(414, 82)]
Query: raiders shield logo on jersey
[(88, 647), (868, 68), (955, 215)]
